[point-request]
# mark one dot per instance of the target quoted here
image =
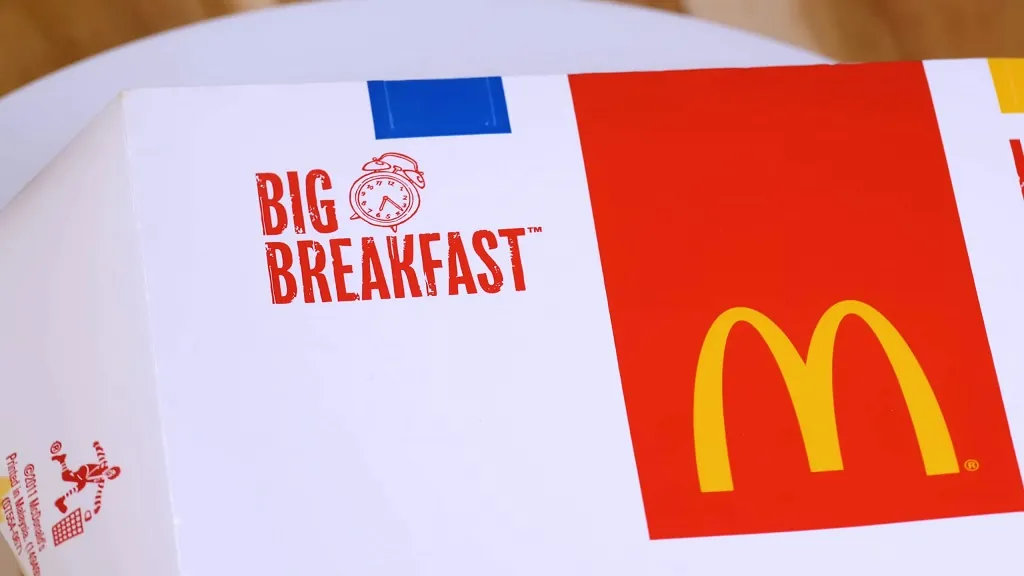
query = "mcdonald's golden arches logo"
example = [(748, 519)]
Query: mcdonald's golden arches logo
[(809, 384)]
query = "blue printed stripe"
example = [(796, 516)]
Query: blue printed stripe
[(423, 108)]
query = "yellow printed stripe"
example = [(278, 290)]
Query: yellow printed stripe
[(1008, 77), (5, 487)]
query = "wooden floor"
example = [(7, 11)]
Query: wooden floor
[(39, 36)]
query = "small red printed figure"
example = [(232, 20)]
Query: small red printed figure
[(97, 474)]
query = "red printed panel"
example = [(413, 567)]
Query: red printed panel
[(1018, 161), (797, 328)]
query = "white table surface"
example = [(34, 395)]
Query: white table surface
[(364, 40)]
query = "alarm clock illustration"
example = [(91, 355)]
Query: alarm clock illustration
[(388, 193)]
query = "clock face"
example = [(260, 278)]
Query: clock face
[(385, 199)]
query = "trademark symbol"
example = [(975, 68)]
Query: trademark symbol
[(534, 229), (972, 465)]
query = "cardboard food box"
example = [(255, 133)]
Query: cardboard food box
[(762, 321)]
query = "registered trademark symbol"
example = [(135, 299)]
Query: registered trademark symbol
[(972, 465)]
